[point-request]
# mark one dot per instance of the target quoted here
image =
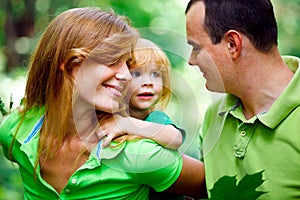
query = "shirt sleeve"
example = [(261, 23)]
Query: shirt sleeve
[(160, 167), (148, 163), (6, 132), (162, 118)]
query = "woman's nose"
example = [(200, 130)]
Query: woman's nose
[(123, 74)]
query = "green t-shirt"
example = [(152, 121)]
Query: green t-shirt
[(160, 117), (257, 158), (125, 172)]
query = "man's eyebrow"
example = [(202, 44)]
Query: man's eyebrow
[(192, 43)]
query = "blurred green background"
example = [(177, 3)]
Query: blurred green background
[(22, 21)]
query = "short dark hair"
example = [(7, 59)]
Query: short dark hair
[(254, 18)]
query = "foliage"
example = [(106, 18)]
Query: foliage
[(10, 180), (3, 110), (21, 21)]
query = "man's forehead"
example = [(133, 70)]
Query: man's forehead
[(196, 12), (194, 21)]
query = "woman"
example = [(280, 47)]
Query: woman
[(78, 76)]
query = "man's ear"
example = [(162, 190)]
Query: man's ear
[(234, 42)]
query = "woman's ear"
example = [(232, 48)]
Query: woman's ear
[(234, 43), (66, 71), (62, 67)]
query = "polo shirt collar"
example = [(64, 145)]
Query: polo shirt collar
[(27, 135), (288, 100), (30, 140), (280, 109)]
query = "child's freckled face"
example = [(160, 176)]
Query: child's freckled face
[(146, 87)]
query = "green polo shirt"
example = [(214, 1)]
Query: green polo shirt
[(257, 158), (125, 172), (160, 117)]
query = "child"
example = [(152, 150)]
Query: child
[(148, 94)]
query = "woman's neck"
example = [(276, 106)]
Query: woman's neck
[(86, 121)]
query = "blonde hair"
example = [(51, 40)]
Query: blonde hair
[(68, 40), (146, 52)]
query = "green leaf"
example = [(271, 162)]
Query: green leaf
[(2, 108), (227, 188), (248, 184), (10, 102)]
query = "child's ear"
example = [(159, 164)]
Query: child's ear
[(234, 43)]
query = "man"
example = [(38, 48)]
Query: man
[(251, 140)]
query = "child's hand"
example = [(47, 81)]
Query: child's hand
[(110, 129)]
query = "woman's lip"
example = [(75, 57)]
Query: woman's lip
[(116, 90)]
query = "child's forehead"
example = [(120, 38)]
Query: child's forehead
[(149, 66)]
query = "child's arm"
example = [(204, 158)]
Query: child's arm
[(165, 135)]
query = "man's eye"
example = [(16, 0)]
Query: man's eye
[(135, 74), (196, 49)]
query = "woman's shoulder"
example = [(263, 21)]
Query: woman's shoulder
[(140, 155), (130, 146), (17, 121), (8, 122)]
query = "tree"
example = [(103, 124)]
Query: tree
[(18, 23)]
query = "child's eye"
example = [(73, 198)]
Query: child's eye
[(155, 74), (135, 74)]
